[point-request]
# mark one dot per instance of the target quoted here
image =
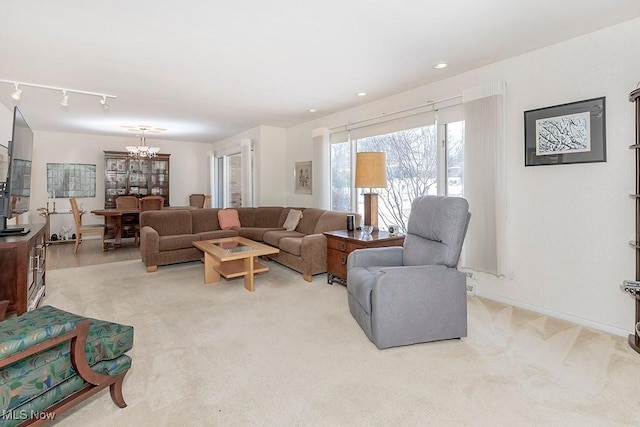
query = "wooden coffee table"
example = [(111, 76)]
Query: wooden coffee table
[(233, 257)]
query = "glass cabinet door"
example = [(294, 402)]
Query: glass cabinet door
[(137, 177), (115, 183), (160, 178)]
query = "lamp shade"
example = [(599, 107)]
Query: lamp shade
[(371, 169)]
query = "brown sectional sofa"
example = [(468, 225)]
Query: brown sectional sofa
[(167, 236)]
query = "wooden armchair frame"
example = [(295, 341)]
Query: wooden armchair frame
[(96, 381)]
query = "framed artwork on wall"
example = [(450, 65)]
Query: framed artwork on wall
[(303, 176), (567, 133), (66, 180)]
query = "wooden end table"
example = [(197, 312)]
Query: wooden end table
[(341, 243)]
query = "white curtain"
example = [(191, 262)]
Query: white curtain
[(321, 168), (485, 183), (247, 172)]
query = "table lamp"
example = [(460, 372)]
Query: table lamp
[(371, 172)]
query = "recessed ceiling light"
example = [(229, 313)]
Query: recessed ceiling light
[(441, 65), (361, 93), (312, 110)]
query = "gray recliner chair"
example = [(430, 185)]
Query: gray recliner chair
[(414, 293)]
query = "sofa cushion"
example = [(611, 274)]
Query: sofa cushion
[(228, 219), (293, 218), (246, 216), (284, 214), (291, 245), (254, 233), (273, 237), (310, 216), (167, 221), (182, 241), (218, 234), (204, 220), (332, 220), (265, 217)]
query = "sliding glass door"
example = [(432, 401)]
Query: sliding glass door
[(233, 178)]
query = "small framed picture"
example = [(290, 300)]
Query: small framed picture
[(303, 177), (567, 133)]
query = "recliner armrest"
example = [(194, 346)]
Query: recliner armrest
[(418, 304), (382, 257)]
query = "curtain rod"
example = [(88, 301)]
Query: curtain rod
[(430, 103)]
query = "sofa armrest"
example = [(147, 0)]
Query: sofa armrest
[(149, 247), (314, 254), (385, 257), (314, 246)]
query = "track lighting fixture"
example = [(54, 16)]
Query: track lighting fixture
[(65, 99), (17, 93)]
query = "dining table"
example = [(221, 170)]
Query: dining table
[(113, 217)]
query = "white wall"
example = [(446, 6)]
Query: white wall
[(6, 123), (271, 170), (568, 225), (189, 166)]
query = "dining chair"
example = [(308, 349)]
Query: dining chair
[(197, 200), (84, 229), (130, 222), (149, 203)]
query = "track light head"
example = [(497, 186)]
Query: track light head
[(17, 94), (104, 104), (65, 99)]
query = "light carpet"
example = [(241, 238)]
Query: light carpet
[(290, 354)]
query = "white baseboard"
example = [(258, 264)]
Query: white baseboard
[(559, 315)]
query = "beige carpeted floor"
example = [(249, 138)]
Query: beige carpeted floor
[(290, 354)]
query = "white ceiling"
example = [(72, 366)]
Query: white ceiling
[(209, 69)]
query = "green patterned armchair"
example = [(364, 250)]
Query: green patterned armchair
[(51, 360)]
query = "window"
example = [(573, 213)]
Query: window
[(454, 152), (341, 177), (415, 163)]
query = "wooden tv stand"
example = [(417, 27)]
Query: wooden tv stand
[(23, 263)]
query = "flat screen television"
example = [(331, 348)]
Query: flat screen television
[(15, 175)]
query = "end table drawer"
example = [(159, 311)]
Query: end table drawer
[(341, 243), (342, 246), (337, 262)]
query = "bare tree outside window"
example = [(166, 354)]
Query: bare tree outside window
[(455, 158), (411, 171), (341, 177)]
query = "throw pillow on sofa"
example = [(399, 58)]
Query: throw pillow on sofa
[(293, 218), (228, 218)]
